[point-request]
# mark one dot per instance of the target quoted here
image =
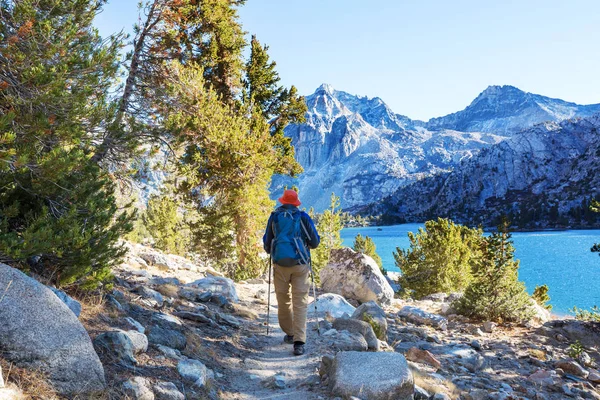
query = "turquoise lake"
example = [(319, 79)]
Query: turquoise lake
[(560, 259)]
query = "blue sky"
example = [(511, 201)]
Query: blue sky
[(424, 58)]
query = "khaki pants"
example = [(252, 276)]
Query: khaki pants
[(292, 308)]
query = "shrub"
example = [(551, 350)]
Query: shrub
[(165, 224), (540, 295), (439, 258), (495, 293), (587, 315)]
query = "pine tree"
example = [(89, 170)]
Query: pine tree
[(495, 293), (165, 224), (367, 246), (329, 226), (57, 209), (439, 258), (540, 295)]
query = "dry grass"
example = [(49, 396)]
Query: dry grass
[(168, 290), (33, 384), (244, 312)]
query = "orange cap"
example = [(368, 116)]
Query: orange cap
[(290, 197)]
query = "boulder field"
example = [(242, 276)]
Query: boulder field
[(176, 329)]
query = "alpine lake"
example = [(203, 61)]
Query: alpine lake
[(560, 259)]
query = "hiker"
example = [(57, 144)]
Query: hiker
[(289, 235)]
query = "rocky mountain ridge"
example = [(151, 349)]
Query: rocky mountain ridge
[(360, 149), (543, 176)]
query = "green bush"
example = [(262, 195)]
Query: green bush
[(540, 295), (495, 292), (165, 225), (587, 315), (439, 258)]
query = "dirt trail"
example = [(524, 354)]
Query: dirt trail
[(268, 356)]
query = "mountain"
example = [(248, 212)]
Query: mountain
[(360, 149), (544, 176), (505, 110)]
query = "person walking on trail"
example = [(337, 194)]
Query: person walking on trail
[(289, 235)]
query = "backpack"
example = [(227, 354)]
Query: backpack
[(288, 242)]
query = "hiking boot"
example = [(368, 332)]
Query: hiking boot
[(288, 339), (298, 349)]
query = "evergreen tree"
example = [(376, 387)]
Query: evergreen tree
[(439, 258), (165, 224), (329, 226), (495, 293), (540, 295), (57, 208), (367, 246)]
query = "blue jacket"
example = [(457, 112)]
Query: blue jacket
[(308, 223)]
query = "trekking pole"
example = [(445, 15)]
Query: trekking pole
[(312, 277), (269, 296)]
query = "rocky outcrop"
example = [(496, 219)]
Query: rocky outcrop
[(377, 376), (355, 276), (38, 330)]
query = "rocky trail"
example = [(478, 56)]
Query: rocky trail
[(173, 329)]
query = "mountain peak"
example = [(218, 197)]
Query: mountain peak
[(325, 87), (499, 90)]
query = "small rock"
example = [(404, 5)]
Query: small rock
[(167, 337), (349, 341), (116, 345), (152, 295), (139, 340), (585, 359), (418, 316), (476, 345), (594, 376), (373, 314), (433, 339), (275, 382), (357, 326), (195, 372), (475, 331), (169, 352), (572, 367), (489, 326), (197, 317), (228, 320), (136, 325), (166, 321), (167, 391), (326, 362), (311, 380), (113, 303), (138, 388), (220, 300), (217, 285), (422, 356), (325, 325), (543, 378), (421, 394), (441, 396)]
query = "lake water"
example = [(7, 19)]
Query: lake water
[(560, 259)]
